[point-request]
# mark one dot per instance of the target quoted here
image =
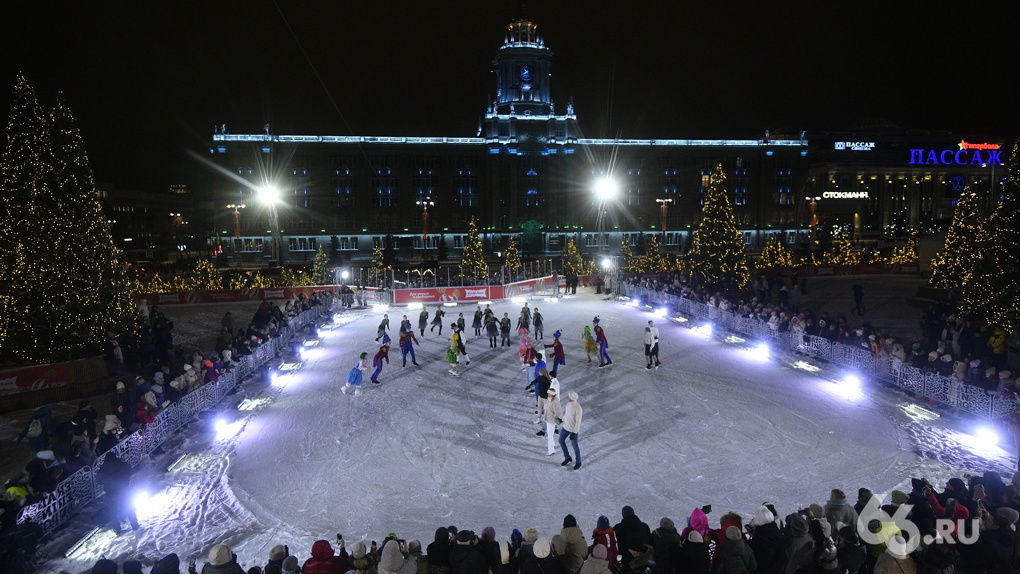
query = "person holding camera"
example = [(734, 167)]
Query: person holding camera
[(325, 560), (395, 559), (465, 557)]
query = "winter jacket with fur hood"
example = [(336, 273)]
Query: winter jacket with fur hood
[(393, 561), (570, 549)]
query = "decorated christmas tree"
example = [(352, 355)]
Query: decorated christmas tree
[(64, 285), (206, 276), (471, 260), (842, 251), (908, 253), (512, 257), (992, 290), (655, 260), (774, 256), (320, 268), (629, 261), (718, 250), (572, 260), (378, 271), (951, 267)]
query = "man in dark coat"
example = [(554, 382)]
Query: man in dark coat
[(115, 476), (631, 534), (666, 541), (465, 558)]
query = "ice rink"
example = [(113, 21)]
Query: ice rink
[(716, 424)]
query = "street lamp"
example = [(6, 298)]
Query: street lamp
[(608, 269), (237, 207), (605, 189), (270, 196), (663, 208)]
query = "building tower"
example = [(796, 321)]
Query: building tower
[(522, 119)]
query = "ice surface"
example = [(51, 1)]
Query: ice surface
[(714, 425)]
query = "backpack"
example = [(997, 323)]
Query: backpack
[(35, 429)]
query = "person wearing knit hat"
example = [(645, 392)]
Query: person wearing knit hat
[(1009, 516), (598, 562), (377, 361), (899, 497), (570, 427), (277, 554), (360, 559), (839, 512), (603, 343), (531, 535), (104, 566), (666, 541), (569, 545), (222, 561), (542, 549), (605, 535), (290, 565), (558, 356)]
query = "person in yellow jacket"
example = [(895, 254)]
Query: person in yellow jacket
[(997, 343)]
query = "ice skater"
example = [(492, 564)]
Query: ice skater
[(536, 320), (541, 375), (558, 357), (437, 320), (524, 321), (407, 342), (526, 352), (570, 427), (384, 326), (858, 300), (600, 338), (590, 346), (491, 329), (653, 351), (457, 337), (355, 375), (553, 413), (476, 321), (504, 330), (382, 355), (423, 319), (461, 323), (451, 358)]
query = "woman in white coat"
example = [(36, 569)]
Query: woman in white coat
[(553, 414), (569, 428)]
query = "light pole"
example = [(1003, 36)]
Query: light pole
[(237, 207), (608, 269), (663, 209), (270, 196), (425, 202), (605, 190)]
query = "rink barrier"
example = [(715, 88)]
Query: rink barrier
[(82, 488), (958, 395)]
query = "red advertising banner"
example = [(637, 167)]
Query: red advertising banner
[(447, 294), (34, 378)]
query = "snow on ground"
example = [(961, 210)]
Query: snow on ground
[(715, 425)]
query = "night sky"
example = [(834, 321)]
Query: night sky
[(148, 81)]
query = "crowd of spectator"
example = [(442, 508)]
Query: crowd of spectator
[(962, 348), (59, 449), (836, 536)]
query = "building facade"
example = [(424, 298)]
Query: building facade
[(528, 174)]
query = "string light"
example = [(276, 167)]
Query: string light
[(952, 265), (718, 249), (471, 258)]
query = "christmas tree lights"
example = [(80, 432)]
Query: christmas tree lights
[(320, 268), (471, 258), (512, 257), (951, 267), (774, 256), (718, 250), (573, 262)]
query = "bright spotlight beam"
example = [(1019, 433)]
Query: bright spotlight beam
[(605, 188), (269, 194)]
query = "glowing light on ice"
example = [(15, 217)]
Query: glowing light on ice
[(679, 319), (226, 430), (380, 307), (704, 330), (660, 312), (919, 413), (633, 302), (517, 299), (449, 304), (848, 388), (415, 305), (987, 433), (733, 339), (252, 404), (759, 352), (806, 367), (982, 441)]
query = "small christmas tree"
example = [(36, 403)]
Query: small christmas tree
[(206, 276), (842, 251), (718, 250), (378, 272), (774, 256), (471, 260), (908, 253), (573, 263), (320, 268), (627, 258), (655, 261), (951, 267), (512, 257)]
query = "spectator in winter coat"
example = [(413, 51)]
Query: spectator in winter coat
[(465, 557), (527, 546), (597, 563), (438, 553), (606, 536), (325, 561), (631, 534), (169, 564), (222, 561), (541, 561), (725, 521), (361, 561), (642, 560), (393, 559), (507, 560), (697, 522), (488, 547), (765, 540), (569, 546), (895, 559), (666, 541), (280, 552), (838, 512), (850, 554), (693, 557), (796, 544), (734, 557), (421, 562)]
